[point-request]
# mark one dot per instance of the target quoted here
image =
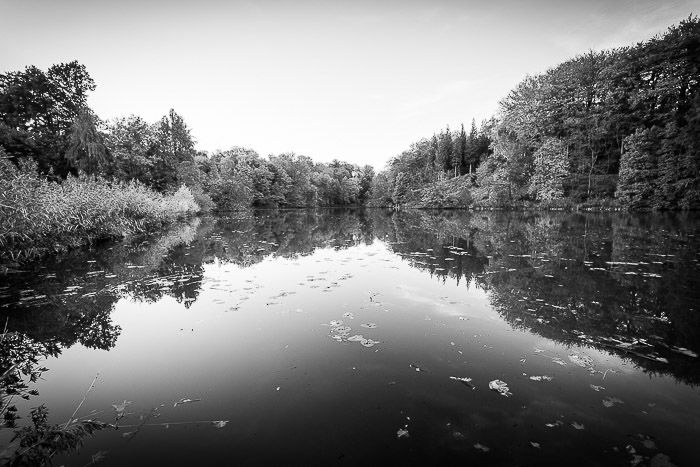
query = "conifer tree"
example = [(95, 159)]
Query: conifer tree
[(432, 154), (472, 148), (445, 150), (459, 152)]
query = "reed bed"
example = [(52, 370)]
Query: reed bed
[(40, 216)]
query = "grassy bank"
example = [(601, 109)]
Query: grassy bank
[(39, 216)]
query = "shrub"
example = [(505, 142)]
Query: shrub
[(39, 216), (451, 193)]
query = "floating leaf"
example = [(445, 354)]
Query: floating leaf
[(368, 342), (466, 381), (185, 401), (578, 426), (501, 387), (555, 424), (611, 401), (402, 433), (535, 445), (120, 408)]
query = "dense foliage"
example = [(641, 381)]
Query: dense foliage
[(435, 172), (620, 125), (68, 178), (44, 117), (38, 216)]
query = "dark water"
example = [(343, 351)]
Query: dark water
[(591, 321)]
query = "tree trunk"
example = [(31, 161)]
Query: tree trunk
[(590, 175)]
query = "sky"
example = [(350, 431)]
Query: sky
[(354, 80)]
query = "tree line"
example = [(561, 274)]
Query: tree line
[(611, 128), (44, 117), (618, 127)]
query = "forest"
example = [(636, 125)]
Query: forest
[(611, 129), (615, 129), (68, 178)]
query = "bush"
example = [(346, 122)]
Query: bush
[(202, 199), (38, 216), (451, 193)]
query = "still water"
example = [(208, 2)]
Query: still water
[(371, 337)]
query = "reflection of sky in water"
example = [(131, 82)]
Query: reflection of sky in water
[(255, 347)]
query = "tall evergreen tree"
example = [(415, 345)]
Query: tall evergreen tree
[(459, 152), (472, 149), (444, 156), (433, 154)]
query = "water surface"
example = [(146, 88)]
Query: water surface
[(347, 337)]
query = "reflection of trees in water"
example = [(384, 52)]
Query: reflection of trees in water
[(58, 304), (249, 239), (561, 276), (540, 269), (69, 300), (546, 272)]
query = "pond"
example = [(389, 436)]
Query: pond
[(340, 337)]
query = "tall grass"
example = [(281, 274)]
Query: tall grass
[(39, 216)]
